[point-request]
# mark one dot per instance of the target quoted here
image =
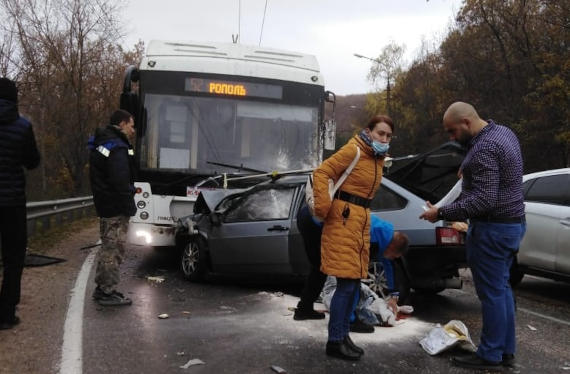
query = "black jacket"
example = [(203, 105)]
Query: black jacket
[(17, 150), (111, 171)]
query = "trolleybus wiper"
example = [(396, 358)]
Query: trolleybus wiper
[(241, 167)]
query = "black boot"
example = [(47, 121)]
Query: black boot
[(302, 314), (361, 327), (342, 351), (350, 344)]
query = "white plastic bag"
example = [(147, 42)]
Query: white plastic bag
[(442, 338)]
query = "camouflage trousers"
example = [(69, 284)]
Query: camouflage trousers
[(113, 231)]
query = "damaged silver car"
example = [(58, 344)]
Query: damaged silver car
[(254, 231)]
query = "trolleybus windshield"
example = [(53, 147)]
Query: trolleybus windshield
[(206, 127)]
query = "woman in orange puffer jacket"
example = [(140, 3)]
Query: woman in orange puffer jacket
[(345, 240)]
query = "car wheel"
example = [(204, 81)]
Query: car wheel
[(379, 284), (516, 274), (194, 260)]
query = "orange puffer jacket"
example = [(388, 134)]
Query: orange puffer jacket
[(345, 243)]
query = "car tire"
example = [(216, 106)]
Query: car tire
[(378, 282), (516, 274), (194, 260)]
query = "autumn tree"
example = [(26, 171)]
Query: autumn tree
[(511, 59), (66, 57)]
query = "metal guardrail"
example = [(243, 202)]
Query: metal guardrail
[(43, 214)]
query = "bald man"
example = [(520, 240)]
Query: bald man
[(492, 200)]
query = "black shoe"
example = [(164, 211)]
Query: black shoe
[(302, 314), (361, 327), (114, 299), (350, 344), (508, 360), (342, 351), (6, 325), (98, 293), (475, 362)]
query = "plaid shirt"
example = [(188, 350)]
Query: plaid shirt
[(492, 177)]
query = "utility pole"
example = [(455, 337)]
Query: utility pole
[(387, 65)]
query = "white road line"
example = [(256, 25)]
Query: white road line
[(544, 316), (72, 349)]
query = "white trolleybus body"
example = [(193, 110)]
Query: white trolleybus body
[(203, 110)]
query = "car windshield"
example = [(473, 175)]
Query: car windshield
[(258, 205), (208, 135)]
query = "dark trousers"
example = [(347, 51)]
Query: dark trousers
[(342, 306), (311, 233), (491, 248), (13, 231)]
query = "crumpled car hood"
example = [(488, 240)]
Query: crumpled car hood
[(429, 175)]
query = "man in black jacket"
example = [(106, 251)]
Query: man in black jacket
[(17, 150), (111, 172)]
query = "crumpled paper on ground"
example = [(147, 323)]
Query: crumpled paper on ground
[(441, 338)]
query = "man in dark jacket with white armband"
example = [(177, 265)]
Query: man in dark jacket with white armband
[(111, 172)]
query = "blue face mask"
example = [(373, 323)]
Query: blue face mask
[(380, 148)]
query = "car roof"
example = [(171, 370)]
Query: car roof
[(546, 173)]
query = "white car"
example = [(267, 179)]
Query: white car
[(545, 248)]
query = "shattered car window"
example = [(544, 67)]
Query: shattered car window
[(267, 204)]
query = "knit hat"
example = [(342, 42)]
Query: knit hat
[(8, 90)]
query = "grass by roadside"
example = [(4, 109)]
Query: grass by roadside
[(40, 243)]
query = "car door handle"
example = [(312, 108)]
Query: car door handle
[(565, 221), (278, 228)]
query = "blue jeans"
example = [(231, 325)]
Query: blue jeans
[(491, 248), (341, 308)]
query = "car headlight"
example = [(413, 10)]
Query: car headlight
[(141, 204), (144, 215)]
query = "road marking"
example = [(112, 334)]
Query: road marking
[(544, 316), (72, 349)]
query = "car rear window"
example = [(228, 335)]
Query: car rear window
[(386, 199)]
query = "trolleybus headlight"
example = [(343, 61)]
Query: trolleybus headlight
[(144, 215), (145, 195), (141, 204)]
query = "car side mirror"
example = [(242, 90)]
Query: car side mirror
[(215, 219)]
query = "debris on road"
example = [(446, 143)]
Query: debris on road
[(185, 312), (158, 279), (163, 316), (228, 309), (180, 353), (531, 328), (441, 338), (278, 370), (192, 362)]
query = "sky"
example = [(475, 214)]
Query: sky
[(331, 30)]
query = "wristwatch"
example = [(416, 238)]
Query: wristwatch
[(439, 214)]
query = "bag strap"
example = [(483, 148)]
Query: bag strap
[(346, 172)]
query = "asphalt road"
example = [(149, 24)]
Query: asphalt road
[(241, 325)]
